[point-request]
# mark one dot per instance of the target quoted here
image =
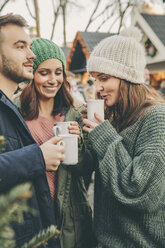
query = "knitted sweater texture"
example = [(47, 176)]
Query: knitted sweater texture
[(130, 182), (42, 130)]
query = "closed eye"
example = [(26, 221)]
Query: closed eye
[(20, 47), (104, 78), (43, 73), (58, 73)]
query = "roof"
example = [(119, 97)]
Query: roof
[(82, 46), (66, 51), (156, 22), (91, 39)]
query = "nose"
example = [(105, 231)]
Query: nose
[(99, 87), (52, 79), (30, 54)]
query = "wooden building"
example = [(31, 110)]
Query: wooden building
[(152, 27), (80, 51)]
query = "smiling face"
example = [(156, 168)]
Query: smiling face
[(107, 87), (48, 78), (16, 56)]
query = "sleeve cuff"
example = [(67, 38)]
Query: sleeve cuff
[(102, 136)]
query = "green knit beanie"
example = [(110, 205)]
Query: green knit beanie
[(46, 49)]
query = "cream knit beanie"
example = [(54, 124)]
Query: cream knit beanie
[(120, 56)]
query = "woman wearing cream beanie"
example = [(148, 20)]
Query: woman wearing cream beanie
[(128, 148)]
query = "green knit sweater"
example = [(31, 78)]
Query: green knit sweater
[(129, 199)]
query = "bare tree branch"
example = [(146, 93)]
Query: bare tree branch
[(3, 5), (112, 24), (56, 14), (114, 7), (102, 23), (73, 3), (107, 7), (94, 11), (28, 8), (102, 12), (109, 16), (37, 17), (122, 13), (63, 4)]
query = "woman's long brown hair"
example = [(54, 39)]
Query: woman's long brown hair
[(29, 99), (134, 101)]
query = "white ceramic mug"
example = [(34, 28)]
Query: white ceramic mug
[(61, 128), (70, 142), (95, 106)]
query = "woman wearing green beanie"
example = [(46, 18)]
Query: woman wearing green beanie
[(45, 101)]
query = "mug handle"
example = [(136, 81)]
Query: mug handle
[(61, 143), (56, 130)]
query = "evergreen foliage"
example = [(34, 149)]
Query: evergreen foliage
[(12, 206)]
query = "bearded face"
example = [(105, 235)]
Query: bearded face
[(16, 56)]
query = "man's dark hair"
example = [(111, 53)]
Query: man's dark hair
[(11, 19)]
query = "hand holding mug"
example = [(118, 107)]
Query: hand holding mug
[(74, 128), (95, 106), (66, 127), (70, 142), (52, 153), (90, 125), (84, 112)]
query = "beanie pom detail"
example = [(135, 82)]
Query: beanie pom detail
[(132, 32)]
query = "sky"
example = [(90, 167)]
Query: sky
[(77, 18)]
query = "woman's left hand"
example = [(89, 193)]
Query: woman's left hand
[(90, 125), (74, 128)]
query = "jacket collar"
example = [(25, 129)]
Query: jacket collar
[(9, 104)]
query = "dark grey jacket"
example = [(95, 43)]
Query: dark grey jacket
[(22, 162)]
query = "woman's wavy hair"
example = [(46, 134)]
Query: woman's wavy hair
[(29, 100), (134, 101)]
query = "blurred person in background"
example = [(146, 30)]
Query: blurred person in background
[(147, 76), (74, 90), (162, 88), (89, 90)]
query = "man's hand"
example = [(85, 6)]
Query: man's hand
[(53, 154), (90, 125)]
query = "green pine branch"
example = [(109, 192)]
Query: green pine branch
[(43, 237), (12, 206)]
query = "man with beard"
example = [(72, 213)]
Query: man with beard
[(23, 160)]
